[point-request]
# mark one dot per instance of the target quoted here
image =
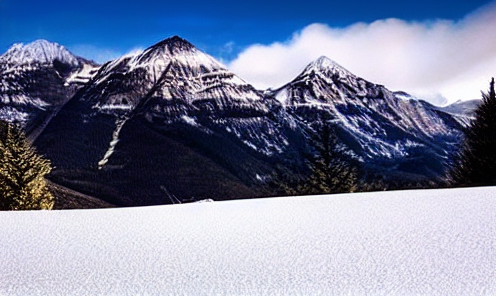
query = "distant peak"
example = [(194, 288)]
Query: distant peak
[(184, 58), (39, 51), (35, 44), (324, 62), (327, 67), (323, 59), (43, 43)]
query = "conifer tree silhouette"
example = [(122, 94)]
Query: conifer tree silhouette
[(22, 173)]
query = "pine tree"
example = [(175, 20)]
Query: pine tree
[(332, 171), (476, 164), (22, 171)]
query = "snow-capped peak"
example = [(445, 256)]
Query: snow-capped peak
[(181, 51), (176, 43), (327, 67), (171, 69), (188, 64), (325, 62), (39, 51)]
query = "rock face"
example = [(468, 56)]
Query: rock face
[(380, 127), (165, 124), (36, 80), (172, 124)]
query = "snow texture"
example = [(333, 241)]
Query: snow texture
[(39, 51), (372, 114), (432, 242), (84, 75)]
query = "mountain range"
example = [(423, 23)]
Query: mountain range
[(171, 124)]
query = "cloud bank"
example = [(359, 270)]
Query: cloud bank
[(441, 61)]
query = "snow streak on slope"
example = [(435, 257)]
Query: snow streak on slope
[(436, 242), (384, 124), (171, 70)]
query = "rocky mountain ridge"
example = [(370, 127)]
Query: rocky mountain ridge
[(172, 123), (38, 78), (384, 123)]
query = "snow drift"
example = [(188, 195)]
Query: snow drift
[(426, 242)]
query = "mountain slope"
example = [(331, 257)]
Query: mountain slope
[(172, 69), (172, 124), (465, 108), (376, 124), (36, 79), (166, 123)]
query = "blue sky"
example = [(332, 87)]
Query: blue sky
[(227, 30), (221, 28)]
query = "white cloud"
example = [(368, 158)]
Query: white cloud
[(437, 60)]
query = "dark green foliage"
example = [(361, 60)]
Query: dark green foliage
[(331, 170), (22, 171), (476, 164)]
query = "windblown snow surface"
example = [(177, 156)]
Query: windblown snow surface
[(426, 242)]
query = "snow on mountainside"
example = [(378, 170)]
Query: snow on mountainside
[(156, 121), (39, 51), (172, 70), (36, 79), (149, 115), (383, 123), (424, 242), (178, 83), (465, 108)]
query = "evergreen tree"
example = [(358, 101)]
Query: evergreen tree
[(476, 164), (22, 171), (331, 171)]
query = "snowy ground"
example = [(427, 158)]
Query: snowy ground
[(427, 242)]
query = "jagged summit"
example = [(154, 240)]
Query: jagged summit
[(175, 42), (170, 48), (39, 51), (173, 72), (171, 121), (323, 81), (186, 61), (328, 67), (324, 62)]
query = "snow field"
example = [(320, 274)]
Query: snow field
[(424, 242)]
